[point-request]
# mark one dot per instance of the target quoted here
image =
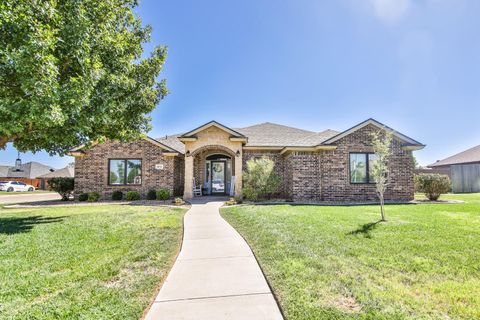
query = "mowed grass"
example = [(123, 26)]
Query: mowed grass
[(339, 263), (94, 262)]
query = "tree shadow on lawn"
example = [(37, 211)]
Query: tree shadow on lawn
[(365, 229), (11, 226)]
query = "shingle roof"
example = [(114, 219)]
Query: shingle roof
[(67, 172), (29, 170), (316, 138), (276, 135), (467, 156), (173, 142), (266, 135), (4, 171)]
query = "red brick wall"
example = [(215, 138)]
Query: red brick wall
[(91, 170), (335, 174), (304, 176)]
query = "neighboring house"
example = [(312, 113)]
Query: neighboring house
[(314, 166), (463, 168), (67, 172), (27, 172)]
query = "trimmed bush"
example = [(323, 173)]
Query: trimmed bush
[(260, 180), (152, 195), (117, 195), (179, 201), (93, 197), (433, 185), (132, 196), (231, 202), (63, 186), (163, 194), (83, 197)]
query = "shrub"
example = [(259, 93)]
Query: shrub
[(117, 195), (93, 197), (179, 201), (63, 186), (132, 196), (163, 194), (231, 202), (152, 195), (432, 185), (83, 197), (259, 180)]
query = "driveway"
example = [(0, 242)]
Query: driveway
[(215, 276), (31, 197)]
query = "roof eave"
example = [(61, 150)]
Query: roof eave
[(378, 124), (413, 147), (307, 149)]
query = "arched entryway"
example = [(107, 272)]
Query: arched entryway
[(214, 169), (214, 173)]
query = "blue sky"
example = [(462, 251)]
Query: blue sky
[(411, 64)]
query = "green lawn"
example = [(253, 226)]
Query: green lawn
[(100, 262), (339, 263)]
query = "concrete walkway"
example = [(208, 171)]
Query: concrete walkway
[(215, 276)]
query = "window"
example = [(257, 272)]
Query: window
[(124, 172), (360, 164)]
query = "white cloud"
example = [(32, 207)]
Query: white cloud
[(390, 11)]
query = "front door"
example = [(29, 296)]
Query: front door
[(218, 177)]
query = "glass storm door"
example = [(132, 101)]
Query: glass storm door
[(218, 176)]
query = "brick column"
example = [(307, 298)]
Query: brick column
[(188, 189), (238, 176)]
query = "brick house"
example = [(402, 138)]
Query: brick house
[(314, 166)]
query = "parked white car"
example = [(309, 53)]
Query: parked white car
[(11, 186)]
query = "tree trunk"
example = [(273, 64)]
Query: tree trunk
[(6, 139), (3, 142), (382, 209)]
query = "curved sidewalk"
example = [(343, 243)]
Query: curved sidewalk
[(215, 276)]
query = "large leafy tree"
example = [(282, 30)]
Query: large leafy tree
[(72, 72)]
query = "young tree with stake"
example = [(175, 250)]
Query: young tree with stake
[(381, 141)]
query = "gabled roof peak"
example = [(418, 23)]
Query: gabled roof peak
[(210, 124), (370, 121)]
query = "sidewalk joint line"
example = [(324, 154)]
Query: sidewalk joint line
[(215, 297)]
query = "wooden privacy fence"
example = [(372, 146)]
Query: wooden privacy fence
[(465, 177)]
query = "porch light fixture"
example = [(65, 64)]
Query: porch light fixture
[(238, 153), (188, 153)]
